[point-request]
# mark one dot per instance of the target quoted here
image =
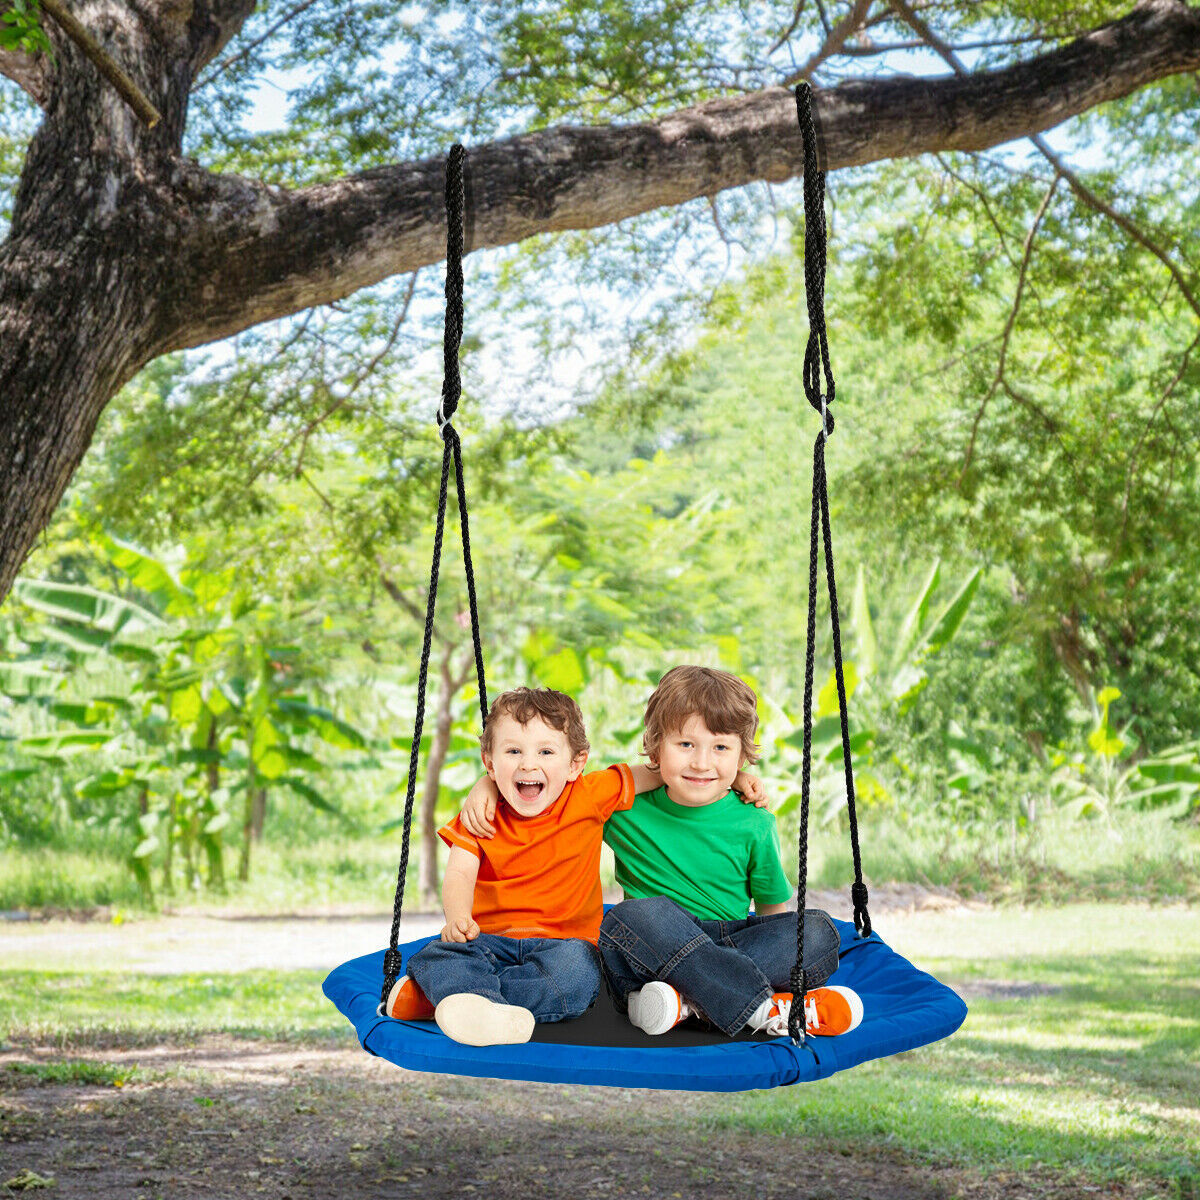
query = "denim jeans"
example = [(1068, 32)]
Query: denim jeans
[(557, 979), (725, 968)]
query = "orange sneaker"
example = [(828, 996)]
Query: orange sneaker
[(406, 1002), (827, 1011)]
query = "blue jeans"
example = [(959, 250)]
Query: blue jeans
[(557, 979), (725, 968)]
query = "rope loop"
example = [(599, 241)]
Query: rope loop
[(862, 918), (796, 1012), (451, 458), (820, 391), (817, 368)]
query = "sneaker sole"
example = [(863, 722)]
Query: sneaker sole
[(656, 1009), (477, 1021)]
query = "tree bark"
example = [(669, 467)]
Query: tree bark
[(121, 249), (258, 816)]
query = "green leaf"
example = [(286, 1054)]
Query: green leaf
[(914, 619), (66, 743), (827, 700), (147, 574), (309, 718), (23, 680), (562, 671), (78, 604), (952, 616), (185, 704), (1105, 742), (108, 783), (309, 793), (145, 848), (216, 823), (864, 631)]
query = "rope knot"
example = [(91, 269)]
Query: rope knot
[(862, 919), (796, 1012), (393, 960)]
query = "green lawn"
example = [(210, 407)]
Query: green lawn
[(1081, 1052)]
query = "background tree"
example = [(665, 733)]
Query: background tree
[(122, 247)]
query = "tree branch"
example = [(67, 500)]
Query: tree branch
[(1076, 184), (257, 253), (103, 62), (834, 41), (213, 24), (999, 379)]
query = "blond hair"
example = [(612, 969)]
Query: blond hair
[(720, 699), (523, 704)]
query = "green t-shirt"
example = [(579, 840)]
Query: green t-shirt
[(710, 860)]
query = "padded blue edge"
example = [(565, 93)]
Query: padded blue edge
[(903, 1008)]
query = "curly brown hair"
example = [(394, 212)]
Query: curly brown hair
[(720, 699), (523, 704)]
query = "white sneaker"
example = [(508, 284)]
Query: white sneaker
[(477, 1021), (658, 1007)]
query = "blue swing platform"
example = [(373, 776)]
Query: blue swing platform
[(903, 1008)]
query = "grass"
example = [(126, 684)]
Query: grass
[(286, 876), (1140, 855), (96, 1074), (106, 1008), (1080, 1054)]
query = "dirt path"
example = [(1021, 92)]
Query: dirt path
[(231, 942), (234, 1119)]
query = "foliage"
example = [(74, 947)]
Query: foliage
[(21, 28), (1110, 772), (204, 688), (885, 685)]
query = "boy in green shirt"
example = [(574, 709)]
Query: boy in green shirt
[(690, 857)]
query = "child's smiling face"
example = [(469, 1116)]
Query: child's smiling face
[(531, 764), (697, 765)]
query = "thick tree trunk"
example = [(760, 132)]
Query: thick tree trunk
[(121, 249), (427, 877), (90, 249)]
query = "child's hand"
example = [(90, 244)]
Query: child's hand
[(751, 789), (464, 929), (480, 807)]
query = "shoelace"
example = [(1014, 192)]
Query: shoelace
[(811, 1019)]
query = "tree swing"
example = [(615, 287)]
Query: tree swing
[(903, 1007)]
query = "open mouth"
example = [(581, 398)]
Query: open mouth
[(529, 790), (698, 780)]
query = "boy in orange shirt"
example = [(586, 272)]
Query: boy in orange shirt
[(523, 908)]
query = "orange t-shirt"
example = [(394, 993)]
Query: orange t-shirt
[(540, 876)]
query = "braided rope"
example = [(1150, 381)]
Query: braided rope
[(817, 370), (451, 452)]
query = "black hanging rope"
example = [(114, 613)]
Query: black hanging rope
[(817, 370), (451, 452)]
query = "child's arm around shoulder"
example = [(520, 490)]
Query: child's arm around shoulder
[(479, 808)]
